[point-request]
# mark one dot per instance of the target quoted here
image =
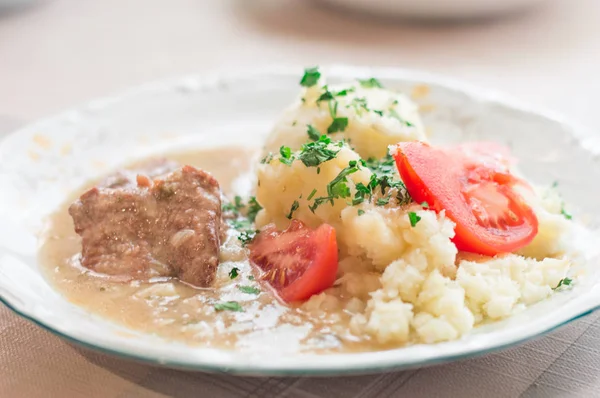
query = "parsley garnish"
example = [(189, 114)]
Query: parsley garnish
[(396, 116), (311, 77), (235, 207), (314, 191), (565, 214), (251, 277), (563, 282), (313, 133), (286, 155), (425, 205), (329, 95), (253, 208), (383, 201), (240, 224), (229, 306), (370, 83), (333, 105), (414, 218), (247, 236), (338, 187), (249, 289), (319, 201), (380, 113), (326, 96), (343, 93), (267, 158), (385, 176), (338, 124), (361, 212), (359, 103), (234, 272), (313, 154), (295, 206)]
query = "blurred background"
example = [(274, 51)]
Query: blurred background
[(57, 53), (54, 54)]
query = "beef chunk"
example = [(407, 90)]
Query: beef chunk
[(149, 224)]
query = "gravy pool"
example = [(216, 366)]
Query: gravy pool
[(174, 310)]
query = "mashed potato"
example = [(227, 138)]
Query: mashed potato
[(401, 277)]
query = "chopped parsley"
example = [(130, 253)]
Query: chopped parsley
[(229, 306), (237, 207), (267, 158), (247, 236), (338, 187), (326, 96), (313, 133), (414, 218), (343, 93), (383, 201), (314, 191), (311, 77), (251, 277), (319, 201), (361, 212), (362, 191), (295, 206), (386, 165), (249, 289), (240, 223), (565, 214), (425, 205), (396, 116), (385, 176), (370, 83), (333, 106), (380, 113), (234, 207), (253, 208), (286, 155), (234, 272), (313, 154), (330, 95), (338, 124), (564, 282), (360, 103)]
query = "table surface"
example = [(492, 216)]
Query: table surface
[(56, 54)]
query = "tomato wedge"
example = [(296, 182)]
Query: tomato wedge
[(298, 262), (473, 184)]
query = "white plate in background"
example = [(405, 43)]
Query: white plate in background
[(436, 9), (38, 174)]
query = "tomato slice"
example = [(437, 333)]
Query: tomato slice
[(298, 262), (474, 186)]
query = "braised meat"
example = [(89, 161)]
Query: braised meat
[(154, 223)]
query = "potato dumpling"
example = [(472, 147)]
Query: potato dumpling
[(367, 117)]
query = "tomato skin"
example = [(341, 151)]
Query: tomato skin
[(444, 178), (309, 257)]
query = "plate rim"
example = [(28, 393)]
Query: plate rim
[(583, 135)]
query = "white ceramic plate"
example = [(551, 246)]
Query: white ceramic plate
[(41, 164), (436, 9)]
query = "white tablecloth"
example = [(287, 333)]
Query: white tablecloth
[(58, 53)]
